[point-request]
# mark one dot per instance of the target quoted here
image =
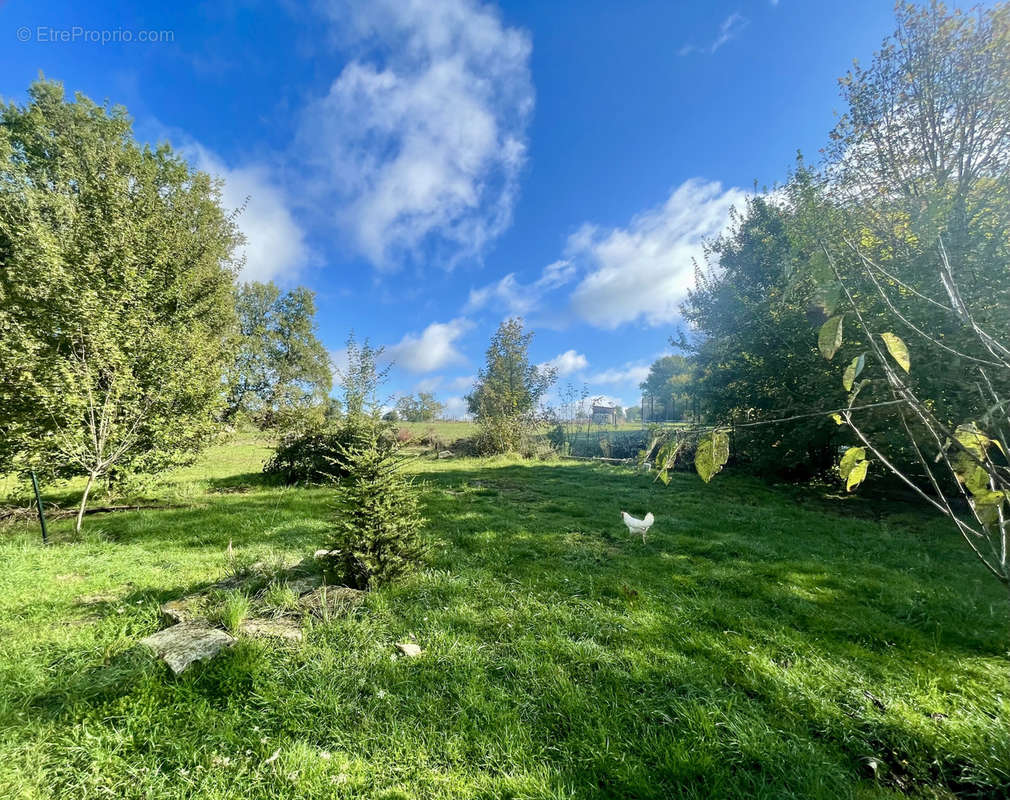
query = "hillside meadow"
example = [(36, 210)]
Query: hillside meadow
[(763, 642)]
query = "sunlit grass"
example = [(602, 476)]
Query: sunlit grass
[(761, 644)]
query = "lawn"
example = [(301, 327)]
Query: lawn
[(761, 643)]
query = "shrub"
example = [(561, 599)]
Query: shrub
[(314, 456), (377, 537)]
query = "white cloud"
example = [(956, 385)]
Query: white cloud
[(643, 271), (513, 297), (461, 384), (275, 246), (631, 373), (428, 384), (432, 349), (729, 29), (567, 362), (421, 137), (455, 408)]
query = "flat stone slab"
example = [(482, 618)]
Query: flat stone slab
[(185, 643), (272, 628)]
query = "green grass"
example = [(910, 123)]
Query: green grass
[(762, 643)]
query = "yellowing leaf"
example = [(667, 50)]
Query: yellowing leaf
[(856, 475), (838, 419), (853, 370), (829, 338), (897, 349), (850, 458)]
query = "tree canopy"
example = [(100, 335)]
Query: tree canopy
[(281, 368), (116, 289)]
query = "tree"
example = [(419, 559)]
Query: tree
[(751, 313), (633, 413), (281, 369), (913, 226), (361, 378), (423, 408), (507, 393), (667, 388), (377, 538), (116, 300)]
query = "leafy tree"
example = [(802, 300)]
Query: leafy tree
[(914, 234), (116, 305), (753, 356), (361, 377), (633, 413), (505, 401), (281, 369), (422, 408), (667, 388)]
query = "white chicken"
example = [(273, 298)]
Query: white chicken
[(638, 525)]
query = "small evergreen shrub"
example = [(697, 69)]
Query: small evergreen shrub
[(377, 537)]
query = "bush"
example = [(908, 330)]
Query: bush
[(377, 537), (314, 456)]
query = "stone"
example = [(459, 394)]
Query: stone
[(182, 610), (409, 649), (302, 586), (326, 553), (272, 628), (446, 454), (185, 643)]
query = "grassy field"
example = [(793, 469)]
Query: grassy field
[(761, 643)]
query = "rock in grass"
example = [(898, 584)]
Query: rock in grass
[(183, 644), (181, 610), (409, 649), (446, 454), (272, 628)]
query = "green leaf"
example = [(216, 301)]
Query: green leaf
[(829, 339), (711, 455), (827, 290), (850, 458), (973, 440), (853, 370), (897, 349), (856, 475)]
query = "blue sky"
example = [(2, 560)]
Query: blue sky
[(431, 167)]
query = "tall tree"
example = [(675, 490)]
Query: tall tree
[(116, 281), (913, 224), (667, 388), (281, 368), (506, 396), (753, 354)]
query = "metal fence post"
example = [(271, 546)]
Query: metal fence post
[(42, 514)]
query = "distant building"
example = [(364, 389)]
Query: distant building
[(604, 415)]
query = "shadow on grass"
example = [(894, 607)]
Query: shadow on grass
[(744, 635)]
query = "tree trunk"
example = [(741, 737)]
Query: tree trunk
[(84, 502)]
